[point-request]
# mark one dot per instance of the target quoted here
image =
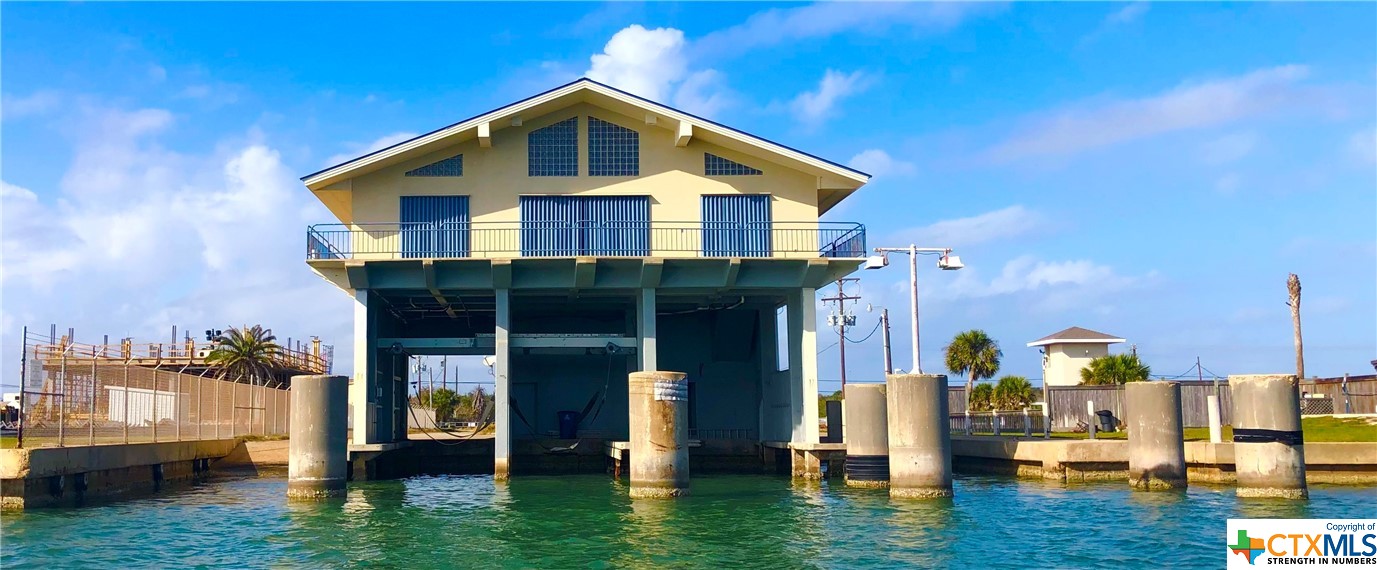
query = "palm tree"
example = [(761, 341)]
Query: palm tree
[(246, 352), (982, 398), (1012, 393), (1115, 369), (973, 352)]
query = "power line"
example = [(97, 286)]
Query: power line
[(867, 337)]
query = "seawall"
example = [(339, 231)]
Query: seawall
[(71, 476)]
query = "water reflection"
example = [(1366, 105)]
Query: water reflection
[(1157, 507), (923, 528), (588, 521), (647, 532), (1274, 508)]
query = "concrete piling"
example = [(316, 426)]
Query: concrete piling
[(658, 405), (1156, 443), (867, 436), (318, 460), (1269, 450), (919, 440), (1216, 426)]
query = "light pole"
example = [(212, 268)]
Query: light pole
[(947, 262)]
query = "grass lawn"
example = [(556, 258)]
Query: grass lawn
[(1317, 429), (8, 441)]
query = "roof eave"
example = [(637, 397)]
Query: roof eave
[(1076, 341), (343, 170)]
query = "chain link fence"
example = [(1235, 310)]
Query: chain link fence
[(74, 395)]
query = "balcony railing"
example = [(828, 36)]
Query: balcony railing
[(569, 239)]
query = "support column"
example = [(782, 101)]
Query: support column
[(765, 323), (919, 437), (645, 329), (867, 436), (502, 432), (803, 365), (363, 393), (658, 410), (1156, 446), (1269, 451), (1216, 426), (318, 451)]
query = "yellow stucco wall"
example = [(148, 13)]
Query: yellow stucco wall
[(1062, 363), (671, 176)]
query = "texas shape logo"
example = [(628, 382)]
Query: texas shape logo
[(1250, 548)]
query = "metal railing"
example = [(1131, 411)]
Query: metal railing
[(312, 360), (567, 239), (77, 395), (1028, 422)]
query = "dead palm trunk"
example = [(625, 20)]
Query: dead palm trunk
[(1293, 286)]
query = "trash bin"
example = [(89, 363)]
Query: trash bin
[(568, 425), (1107, 420)]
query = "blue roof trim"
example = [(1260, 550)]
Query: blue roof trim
[(587, 80)]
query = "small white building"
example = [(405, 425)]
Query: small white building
[(1065, 353)]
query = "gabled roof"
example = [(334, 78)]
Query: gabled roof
[(1076, 335), (832, 175)]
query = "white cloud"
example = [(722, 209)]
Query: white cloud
[(1188, 106), (213, 94), (879, 164), (1363, 145), (35, 103), (653, 64), (1026, 273), (826, 19), (1047, 286), (643, 62), (1128, 14), (1227, 184), (662, 65), (1010, 222), (703, 93), (157, 73), (814, 107), (357, 150), (1228, 148), (136, 238)]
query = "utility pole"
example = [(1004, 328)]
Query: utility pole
[(841, 320), (884, 326)]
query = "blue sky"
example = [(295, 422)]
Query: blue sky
[(1149, 170)]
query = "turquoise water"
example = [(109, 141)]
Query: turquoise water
[(588, 522)]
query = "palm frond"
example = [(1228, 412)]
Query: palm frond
[(250, 352)]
